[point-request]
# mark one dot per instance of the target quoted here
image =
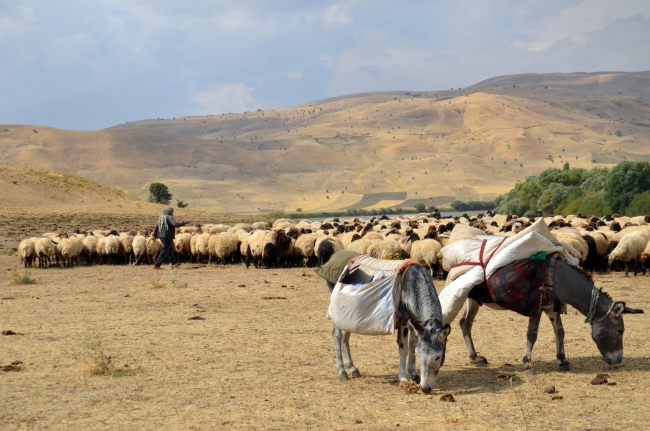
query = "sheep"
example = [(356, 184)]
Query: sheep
[(139, 244), (244, 226), (126, 247), (305, 248), (202, 247), (90, 247), (27, 251), (182, 246), (260, 225), (152, 249), (645, 257), (325, 248), (44, 250), (69, 249), (427, 253), (256, 245), (629, 249), (385, 249), (572, 237), (406, 244), (222, 245), (461, 232), (219, 228)]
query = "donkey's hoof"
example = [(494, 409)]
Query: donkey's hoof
[(529, 372), (565, 367), (355, 374), (343, 377), (479, 361)]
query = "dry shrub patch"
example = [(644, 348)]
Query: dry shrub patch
[(92, 345)]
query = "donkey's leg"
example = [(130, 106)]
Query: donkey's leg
[(413, 340), (337, 334), (531, 338), (556, 321), (403, 345), (347, 357), (471, 309)]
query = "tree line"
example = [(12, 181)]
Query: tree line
[(623, 189)]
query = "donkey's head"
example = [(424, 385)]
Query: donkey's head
[(608, 332), (430, 351)]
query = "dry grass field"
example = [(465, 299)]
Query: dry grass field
[(222, 347), (470, 144)]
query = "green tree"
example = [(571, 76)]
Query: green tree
[(431, 208), (640, 205), (420, 207), (181, 204), (298, 210), (618, 133), (159, 193), (566, 166), (552, 197), (624, 182)]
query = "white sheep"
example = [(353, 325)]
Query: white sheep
[(385, 249), (630, 248), (427, 253), (44, 249), (27, 251), (572, 237), (222, 246)]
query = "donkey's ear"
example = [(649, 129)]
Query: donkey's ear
[(618, 309), (419, 330), (627, 310), (444, 333)]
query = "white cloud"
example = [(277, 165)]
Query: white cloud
[(296, 74), (236, 19), (225, 98), (70, 51), (376, 63), (17, 24), (335, 14), (575, 23)]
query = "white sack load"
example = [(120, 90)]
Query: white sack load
[(363, 301), (367, 309), (497, 252)]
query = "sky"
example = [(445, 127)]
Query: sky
[(91, 64)]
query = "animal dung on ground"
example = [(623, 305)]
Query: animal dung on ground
[(600, 379), (549, 389), (557, 397), (448, 398), (10, 332), (502, 377), (15, 366), (196, 318), (273, 297), (409, 387), (242, 285)]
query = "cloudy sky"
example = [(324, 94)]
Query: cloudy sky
[(90, 64)]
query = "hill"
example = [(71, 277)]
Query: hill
[(372, 149)]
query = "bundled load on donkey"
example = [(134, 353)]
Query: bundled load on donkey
[(529, 273)]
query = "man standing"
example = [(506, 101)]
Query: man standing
[(166, 230)]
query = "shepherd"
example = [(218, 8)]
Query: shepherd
[(166, 230)]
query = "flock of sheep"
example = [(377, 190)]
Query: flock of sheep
[(613, 242)]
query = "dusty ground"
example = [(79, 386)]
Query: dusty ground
[(259, 363)]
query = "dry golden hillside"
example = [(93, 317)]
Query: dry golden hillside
[(366, 150)]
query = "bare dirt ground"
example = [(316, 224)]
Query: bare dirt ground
[(260, 356)]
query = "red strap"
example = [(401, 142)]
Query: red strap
[(406, 264), (480, 257)]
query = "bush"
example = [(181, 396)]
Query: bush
[(592, 204), (420, 207), (181, 204)]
